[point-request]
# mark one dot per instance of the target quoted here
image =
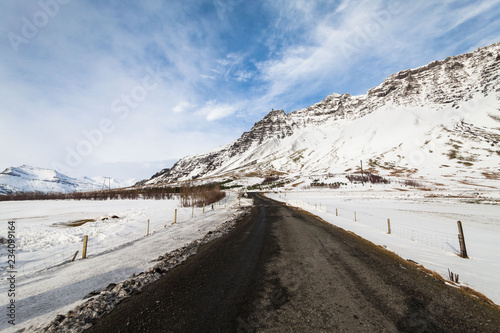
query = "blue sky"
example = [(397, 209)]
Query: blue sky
[(126, 88)]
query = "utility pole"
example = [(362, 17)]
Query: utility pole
[(362, 176), (109, 183)]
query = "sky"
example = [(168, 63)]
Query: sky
[(125, 88)]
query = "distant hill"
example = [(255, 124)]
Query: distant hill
[(32, 179)]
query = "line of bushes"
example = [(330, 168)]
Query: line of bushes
[(368, 177), (189, 195), (335, 185)]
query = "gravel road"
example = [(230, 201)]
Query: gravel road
[(283, 270)]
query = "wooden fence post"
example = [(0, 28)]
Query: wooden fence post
[(336, 212), (354, 216), (389, 226), (74, 257), (175, 217), (85, 240), (147, 233), (192, 212), (461, 239), (203, 208)]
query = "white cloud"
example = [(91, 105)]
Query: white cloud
[(214, 111), (243, 76), (342, 6), (181, 107)]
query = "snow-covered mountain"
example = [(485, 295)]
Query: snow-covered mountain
[(31, 179), (440, 120)]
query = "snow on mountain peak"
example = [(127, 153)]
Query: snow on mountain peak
[(439, 119)]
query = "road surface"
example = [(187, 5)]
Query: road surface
[(283, 270)]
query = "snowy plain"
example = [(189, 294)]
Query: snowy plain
[(48, 283), (423, 229)]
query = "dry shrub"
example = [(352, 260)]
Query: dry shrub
[(199, 195)]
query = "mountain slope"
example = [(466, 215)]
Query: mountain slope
[(31, 179), (442, 119)]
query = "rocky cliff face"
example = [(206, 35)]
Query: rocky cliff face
[(276, 125), (449, 84)]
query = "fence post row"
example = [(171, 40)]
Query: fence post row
[(461, 237)]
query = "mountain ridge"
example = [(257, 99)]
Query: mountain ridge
[(456, 87)]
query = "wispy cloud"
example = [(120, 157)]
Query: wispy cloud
[(214, 111), (377, 36), (181, 107)]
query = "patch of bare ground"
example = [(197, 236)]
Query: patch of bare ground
[(464, 289), (76, 223), (467, 182), (491, 175), (402, 172)]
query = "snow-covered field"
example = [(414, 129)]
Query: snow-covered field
[(423, 229), (48, 283)]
